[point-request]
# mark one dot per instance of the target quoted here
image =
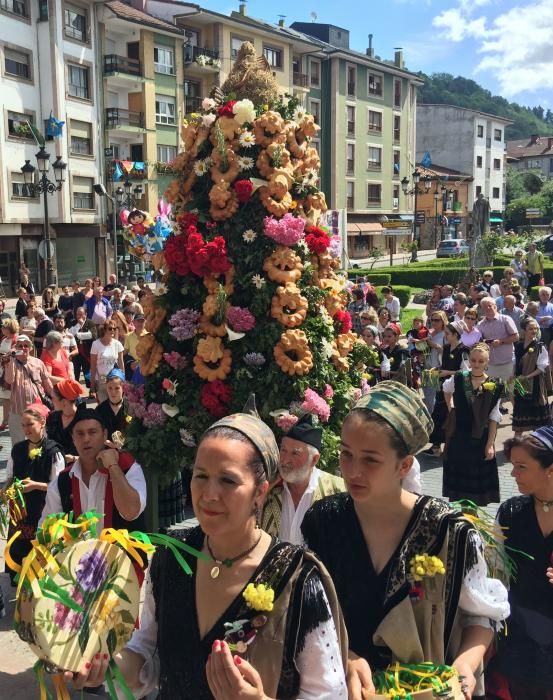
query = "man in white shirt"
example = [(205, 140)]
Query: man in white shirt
[(301, 483), (102, 479)]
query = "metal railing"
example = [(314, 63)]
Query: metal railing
[(115, 116), (300, 79), (191, 53), (121, 64), (192, 104)]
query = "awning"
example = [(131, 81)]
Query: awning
[(364, 227), (495, 220)]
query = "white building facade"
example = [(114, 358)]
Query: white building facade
[(468, 141), (48, 67)]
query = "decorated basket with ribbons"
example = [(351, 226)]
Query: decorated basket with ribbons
[(78, 594), (416, 682), (12, 506)]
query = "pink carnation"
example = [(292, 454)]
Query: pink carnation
[(175, 360), (328, 392), (313, 403), (365, 387), (286, 422), (286, 231), (356, 395), (240, 319)]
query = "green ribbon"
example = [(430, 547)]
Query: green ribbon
[(49, 589), (39, 672), (174, 546), (114, 674)]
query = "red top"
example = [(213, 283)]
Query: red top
[(58, 368)]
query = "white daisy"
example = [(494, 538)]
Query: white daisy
[(162, 289), (187, 438), (245, 163), (311, 176), (247, 139), (258, 281), (249, 236), (328, 350), (299, 114), (201, 167)]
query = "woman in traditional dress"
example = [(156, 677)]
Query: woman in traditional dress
[(435, 341), (196, 632), (531, 410), (371, 337), (523, 666), (470, 464), (393, 352), (114, 411), (390, 616), (454, 357), (35, 461), (59, 424)]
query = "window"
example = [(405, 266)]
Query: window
[(397, 128), (395, 197), (18, 127), (480, 131), (349, 194), (116, 150), (397, 93), (165, 109), (83, 197), (374, 161), (350, 112), (375, 122), (374, 193), (164, 60), (497, 135), (81, 138), (77, 81), (350, 158), (192, 96), (375, 84), (497, 163), (15, 7), (478, 161), (396, 165), (315, 109), (551, 165), (235, 44), (495, 193), (19, 189), (351, 81), (273, 56), (165, 154), (478, 190), (314, 73), (17, 63), (75, 22)]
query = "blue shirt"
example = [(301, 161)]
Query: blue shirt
[(545, 310), (90, 305)]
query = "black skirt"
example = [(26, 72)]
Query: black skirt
[(467, 474)]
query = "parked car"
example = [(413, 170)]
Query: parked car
[(452, 248)]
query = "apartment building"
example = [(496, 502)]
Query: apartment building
[(469, 141), (48, 66), (534, 153)]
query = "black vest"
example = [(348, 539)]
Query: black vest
[(37, 469), (117, 520)]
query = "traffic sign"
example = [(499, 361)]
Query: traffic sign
[(108, 152), (533, 213), (421, 217), (42, 249)]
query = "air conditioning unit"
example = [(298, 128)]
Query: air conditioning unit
[(395, 202)]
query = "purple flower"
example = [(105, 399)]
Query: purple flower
[(254, 359), (175, 360), (92, 570), (184, 323), (67, 619), (240, 319), (335, 248), (154, 415)]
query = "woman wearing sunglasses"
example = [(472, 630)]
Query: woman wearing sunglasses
[(105, 354)]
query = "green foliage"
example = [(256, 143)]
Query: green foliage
[(402, 292), (443, 88), (523, 183), (374, 278)]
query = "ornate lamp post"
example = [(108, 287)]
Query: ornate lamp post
[(409, 190), (45, 187)]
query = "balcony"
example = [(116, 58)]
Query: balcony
[(192, 104), (121, 64), (124, 120), (199, 58), (134, 174), (300, 80)]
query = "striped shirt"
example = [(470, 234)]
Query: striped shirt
[(23, 388)]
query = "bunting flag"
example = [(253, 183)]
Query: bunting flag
[(54, 127), (426, 161), (117, 173), (127, 165)]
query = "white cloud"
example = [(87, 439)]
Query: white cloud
[(515, 45)]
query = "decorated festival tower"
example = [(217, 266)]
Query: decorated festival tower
[(251, 299)]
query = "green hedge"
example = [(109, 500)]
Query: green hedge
[(402, 292), (375, 278)]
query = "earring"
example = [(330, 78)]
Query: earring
[(257, 515)]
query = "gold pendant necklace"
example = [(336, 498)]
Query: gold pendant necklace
[(546, 505), (216, 570)]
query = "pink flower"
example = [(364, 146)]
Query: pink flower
[(175, 360), (286, 231), (286, 422), (365, 387), (240, 319), (328, 392), (313, 403), (356, 395)]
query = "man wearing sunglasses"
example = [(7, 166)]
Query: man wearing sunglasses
[(29, 382)]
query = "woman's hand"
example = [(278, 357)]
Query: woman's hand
[(467, 679), (359, 677), (91, 675), (549, 574), (489, 452), (30, 485), (232, 678)]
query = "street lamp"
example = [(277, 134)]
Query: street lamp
[(45, 187), (437, 197), (126, 195), (408, 191)]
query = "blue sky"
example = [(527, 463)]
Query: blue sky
[(505, 45)]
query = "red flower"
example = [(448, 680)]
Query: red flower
[(243, 189), (226, 109), (176, 256), (216, 397), (317, 240), (186, 219), (210, 225), (344, 319)]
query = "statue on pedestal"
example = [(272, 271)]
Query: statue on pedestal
[(480, 227)]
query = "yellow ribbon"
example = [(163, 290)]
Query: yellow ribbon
[(59, 685), (129, 543)]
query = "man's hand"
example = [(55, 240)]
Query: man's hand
[(109, 457)]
